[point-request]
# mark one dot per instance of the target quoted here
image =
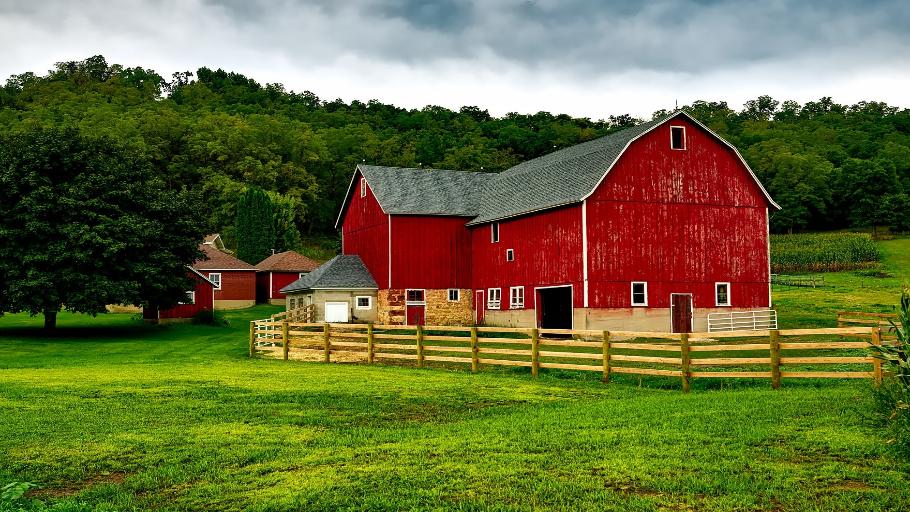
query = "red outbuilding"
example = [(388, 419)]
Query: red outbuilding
[(200, 298), (234, 279), (278, 271), (651, 228)]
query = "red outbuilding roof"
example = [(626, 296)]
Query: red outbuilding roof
[(218, 260), (288, 261)]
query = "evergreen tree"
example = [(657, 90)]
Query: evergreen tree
[(255, 227)]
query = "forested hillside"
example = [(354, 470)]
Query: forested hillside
[(828, 165)]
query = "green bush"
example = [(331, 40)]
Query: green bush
[(893, 397), (822, 252)]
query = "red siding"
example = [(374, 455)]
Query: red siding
[(430, 252), (203, 302), (235, 284), (280, 280), (680, 220), (365, 232), (548, 249)]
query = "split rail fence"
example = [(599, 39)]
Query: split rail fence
[(837, 353)]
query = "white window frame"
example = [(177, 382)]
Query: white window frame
[(190, 297), (363, 308), (415, 302), (494, 303), (684, 145), (510, 254), (457, 295), (363, 187), (716, 299), (632, 294), (301, 274), (516, 300), (212, 279), (494, 233)]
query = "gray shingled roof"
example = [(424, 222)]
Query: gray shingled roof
[(342, 272), (558, 178)]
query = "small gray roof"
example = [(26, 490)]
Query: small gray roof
[(409, 191), (346, 272)]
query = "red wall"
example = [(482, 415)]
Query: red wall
[(280, 280), (203, 302), (680, 220), (235, 284), (430, 252), (548, 249), (365, 232)]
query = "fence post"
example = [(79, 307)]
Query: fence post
[(285, 340), (327, 342), (775, 358), (535, 352), (606, 356), (370, 348), (252, 337), (684, 346), (876, 362), (474, 350), (419, 346)]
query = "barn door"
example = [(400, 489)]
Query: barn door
[(681, 312), (416, 315), (478, 307)]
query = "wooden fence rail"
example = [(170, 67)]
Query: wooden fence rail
[(841, 353)]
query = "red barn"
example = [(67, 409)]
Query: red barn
[(234, 279), (200, 298), (278, 271), (649, 228)]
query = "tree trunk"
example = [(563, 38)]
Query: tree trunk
[(50, 320)]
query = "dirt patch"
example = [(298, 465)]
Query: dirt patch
[(70, 489), (849, 485)]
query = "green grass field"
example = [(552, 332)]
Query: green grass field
[(112, 414)]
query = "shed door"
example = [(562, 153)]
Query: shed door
[(337, 312), (478, 307), (416, 314), (681, 312)]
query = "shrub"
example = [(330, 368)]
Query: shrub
[(822, 252), (209, 318), (893, 397)]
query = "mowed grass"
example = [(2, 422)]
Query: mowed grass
[(115, 415), (859, 290)]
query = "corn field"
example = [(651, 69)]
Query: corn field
[(822, 252)]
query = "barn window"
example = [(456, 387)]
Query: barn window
[(494, 232), (722, 294), (363, 187), (292, 303), (494, 298), (510, 254), (677, 137), (216, 279), (454, 295), (639, 293), (190, 298), (364, 302), (301, 274), (415, 297), (517, 297)]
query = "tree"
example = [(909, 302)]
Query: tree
[(255, 226), (287, 235), (85, 223)]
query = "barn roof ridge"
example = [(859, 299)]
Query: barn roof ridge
[(345, 271), (287, 261)]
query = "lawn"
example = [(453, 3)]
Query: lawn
[(113, 414)]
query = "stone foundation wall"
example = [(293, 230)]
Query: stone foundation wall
[(439, 311), (627, 319), (234, 304)]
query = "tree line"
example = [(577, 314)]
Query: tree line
[(219, 133)]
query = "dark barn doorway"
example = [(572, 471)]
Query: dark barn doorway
[(554, 307)]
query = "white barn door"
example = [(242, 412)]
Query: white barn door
[(336, 312)]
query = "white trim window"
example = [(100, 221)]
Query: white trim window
[(494, 232), (517, 297), (678, 138), (639, 290), (363, 187), (454, 295), (510, 254), (722, 294), (190, 298), (415, 297), (215, 277), (300, 275), (362, 302), (494, 298)]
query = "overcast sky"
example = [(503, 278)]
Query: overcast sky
[(581, 57)]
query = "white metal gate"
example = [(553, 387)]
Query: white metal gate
[(759, 320)]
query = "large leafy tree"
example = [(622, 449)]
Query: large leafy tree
[(85, 223), (255, 230)]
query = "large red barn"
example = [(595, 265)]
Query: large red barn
[(649, 228)]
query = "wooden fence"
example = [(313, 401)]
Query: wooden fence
[(837, 353), (848, 318)]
